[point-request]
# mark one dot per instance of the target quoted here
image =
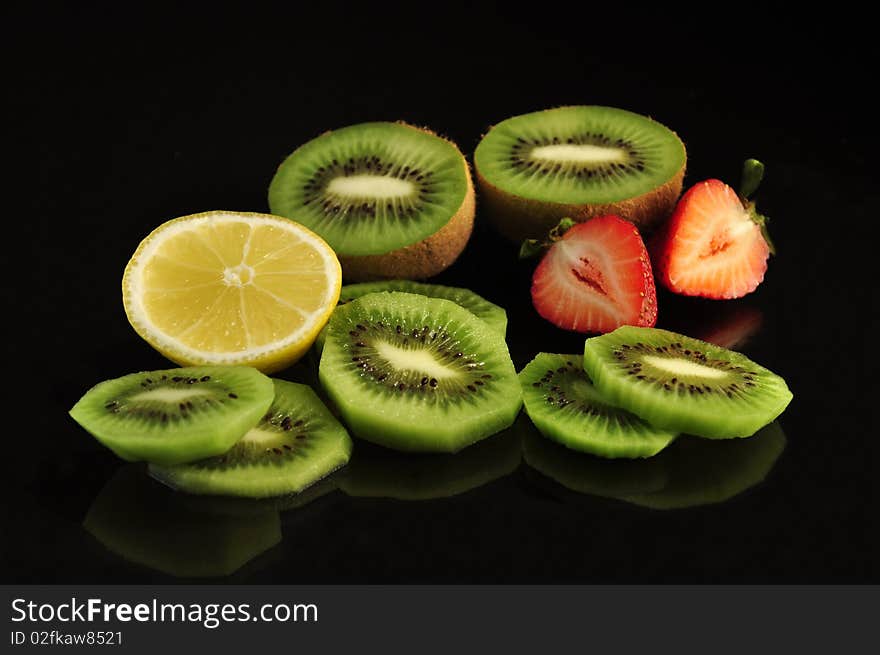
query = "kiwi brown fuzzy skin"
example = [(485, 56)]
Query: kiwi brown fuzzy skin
[(423, 259), (519, 218)]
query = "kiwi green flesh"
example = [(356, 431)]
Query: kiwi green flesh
[(579, 155), (144, 522), (678, 383), (295, 444), (376, 472), (492, 314), (175, 415), (565, 406), (414, 373), (703, 472), (371, 188)]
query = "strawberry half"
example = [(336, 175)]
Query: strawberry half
[(715, 244), (595, 278)]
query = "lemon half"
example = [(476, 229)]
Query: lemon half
[(231, 288)]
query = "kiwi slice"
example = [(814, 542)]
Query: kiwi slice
[(578, 162), (376, 472), (703, 472), (678, 383), (491, 313), (393, 200), (296, 443), (417, 374), (145, 523), (566, 407), (176, 415)]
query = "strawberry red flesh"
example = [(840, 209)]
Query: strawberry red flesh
[(596, 278), (712, 246)]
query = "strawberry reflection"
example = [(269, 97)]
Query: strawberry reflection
[(729, 324)]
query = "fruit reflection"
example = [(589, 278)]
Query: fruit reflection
[(146, 523), (381, 473), (731, 324), (689, 473)]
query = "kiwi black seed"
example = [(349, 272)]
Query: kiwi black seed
[(578, 162), (678, 383), (297, 442), (393, 200), (146, 523), (175, 415), (417, 374), (565, 407), (491, 313)]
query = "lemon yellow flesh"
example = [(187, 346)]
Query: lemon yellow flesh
[(228, 287)]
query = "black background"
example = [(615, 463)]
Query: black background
[(121, 120)]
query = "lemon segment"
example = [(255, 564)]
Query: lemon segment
[(231, 288)]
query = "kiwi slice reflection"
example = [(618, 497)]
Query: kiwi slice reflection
[(704, 472), (376, 472), (689, 473), (588, 474), (144, 522), (236, 506)]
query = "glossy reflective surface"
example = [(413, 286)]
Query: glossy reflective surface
[(124, 131)]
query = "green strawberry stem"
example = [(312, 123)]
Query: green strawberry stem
[(533, 247), (752, 174)]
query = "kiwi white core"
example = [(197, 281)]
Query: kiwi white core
[(684, 367), (380, 187), (258, 437), (170, 395), (578, 153), (413, 360)]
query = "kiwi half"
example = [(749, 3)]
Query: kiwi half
[(417, 374), (176, 415), (393, 200), (565, 406), (678, 383), (145, 523), (492, 314), (578, 162), (376, 472), (296, 443)]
